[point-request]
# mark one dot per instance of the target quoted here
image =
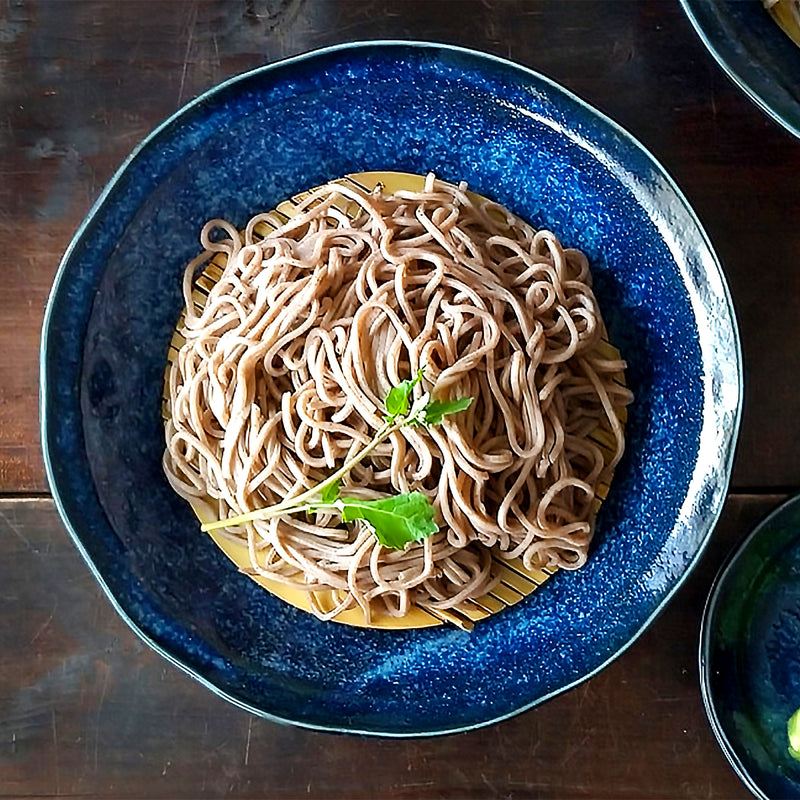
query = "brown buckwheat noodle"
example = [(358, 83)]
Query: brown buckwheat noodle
[(285, 369)]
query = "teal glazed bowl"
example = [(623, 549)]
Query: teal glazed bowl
[(749, 654), (260, 137)]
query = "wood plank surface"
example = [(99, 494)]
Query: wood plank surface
[(82, 81), (88, 711)]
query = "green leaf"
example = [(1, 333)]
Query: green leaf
[(397, 520), (793, 731), (397, 401), (330, 492), (437, 410)]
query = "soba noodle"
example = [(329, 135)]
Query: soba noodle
[(284, 372)]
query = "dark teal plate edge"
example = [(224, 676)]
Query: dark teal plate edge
[(782, 117), (706, 627), (711, 518)]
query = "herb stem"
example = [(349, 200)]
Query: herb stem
[(293, 504)]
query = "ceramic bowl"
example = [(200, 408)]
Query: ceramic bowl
[(749, 654), (754, 52), (258, 138)]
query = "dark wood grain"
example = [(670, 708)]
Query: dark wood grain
[(87, 710), (82, 82)]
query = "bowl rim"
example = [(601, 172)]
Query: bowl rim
[(725, 469), (705, 641), (783, 116)]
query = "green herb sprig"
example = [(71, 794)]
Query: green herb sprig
[(396, 520)]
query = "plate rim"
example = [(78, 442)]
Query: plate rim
[(731, 439)]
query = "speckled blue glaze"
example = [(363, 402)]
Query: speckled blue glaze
[(754, 52), (749, 654), (244, 146)]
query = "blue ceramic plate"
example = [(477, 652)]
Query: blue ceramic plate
[(755, 53), (750, 654), (258, 138)]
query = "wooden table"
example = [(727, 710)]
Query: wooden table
[(86, 710)]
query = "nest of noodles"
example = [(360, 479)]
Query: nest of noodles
[(284, 370)]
